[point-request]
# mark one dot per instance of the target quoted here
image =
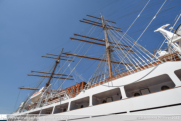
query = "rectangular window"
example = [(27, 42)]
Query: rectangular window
[(155, 84), (178, 73), (107, 96), (61, 108), (36, 112), (80, 103), (47, 111)]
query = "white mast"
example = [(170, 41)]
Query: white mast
[(174, 39)]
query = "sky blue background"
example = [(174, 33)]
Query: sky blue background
[(32, 28)]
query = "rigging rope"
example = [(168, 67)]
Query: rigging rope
[(147, 27), (79, 60), (17, 99)]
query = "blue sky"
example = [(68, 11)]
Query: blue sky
[(32, 28)]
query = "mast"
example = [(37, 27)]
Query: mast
[(56, 63), (108, 50), (53, 74), (106, 41)]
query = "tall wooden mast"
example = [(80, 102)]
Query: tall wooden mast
[(52, 74), (108, 50), (109, 45), (56, 63)]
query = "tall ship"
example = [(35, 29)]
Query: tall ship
[(128, 79)]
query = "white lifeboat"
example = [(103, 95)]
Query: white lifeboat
[(36, 96), (162, 53)]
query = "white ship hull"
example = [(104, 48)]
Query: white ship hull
[(156, 102)]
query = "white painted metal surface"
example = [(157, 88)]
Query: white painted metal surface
[(169, 98)]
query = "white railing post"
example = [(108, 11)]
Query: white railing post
[(90, 100), (123, 93), (53, 109), (69, 106), (175, 79)]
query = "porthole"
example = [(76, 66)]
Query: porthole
[(136, 94), (81, 106), (164, 87), (104, 101), (64, 109)]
